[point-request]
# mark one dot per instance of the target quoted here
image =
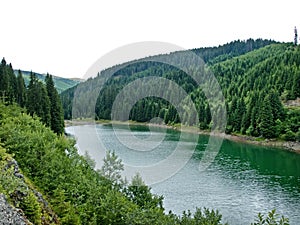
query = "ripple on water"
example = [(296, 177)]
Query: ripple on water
[(242, 181)]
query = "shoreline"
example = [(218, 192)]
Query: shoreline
[(285, 145)]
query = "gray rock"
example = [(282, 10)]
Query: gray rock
[(10, 215), (13, 163)]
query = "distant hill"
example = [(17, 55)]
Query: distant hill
[(87, 89), (61, 83), (258, 78)]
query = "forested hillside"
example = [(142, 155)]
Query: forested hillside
[(39, 99), (257, 78), (86, 93), (61, 84)]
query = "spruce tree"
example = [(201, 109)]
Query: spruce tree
[(21, 90), (56, 111), (238, 115), (30, 105), (296, 85), (37, 100), (296, 37), (4, 80), (267, 125), (12, 84), (276, 105)]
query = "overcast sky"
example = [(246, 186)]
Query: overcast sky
[(65, 38)]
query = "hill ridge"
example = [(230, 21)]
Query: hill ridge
[(61, 83)]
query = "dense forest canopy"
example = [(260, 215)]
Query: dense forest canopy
[(257, 78), (40, 99)]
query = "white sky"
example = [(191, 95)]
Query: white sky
[(65, 38)]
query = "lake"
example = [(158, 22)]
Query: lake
[(239, 179)]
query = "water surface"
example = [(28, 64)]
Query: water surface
[(242, 180)]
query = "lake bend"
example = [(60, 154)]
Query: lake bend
[(240, 181)]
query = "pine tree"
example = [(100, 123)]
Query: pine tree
[(232, 109), (37, 100), (207, 115), (267, 125), (296, 85), (238, 115), (12, 84), (247, 122), (21, 90), (56, 111), (276, 105), (296, 37), (4, 80)]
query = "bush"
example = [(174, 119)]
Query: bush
[(271, 219), (32, 208), (289, 136), (298, 136)]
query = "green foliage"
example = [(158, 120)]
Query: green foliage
[(56, 111), (9, 184), (78, 194), (21, 90), (123, 74), (61, 84), (289, 136), (205, 217), (214, 55), (256, 77), (39, 99), (67, 102), (266, 126), (141, 195), (8, 83), (298, 136), (254, 85), (112, 168), (32, 208), (38, 102), (19, 191), (271, 219), (65, 210)]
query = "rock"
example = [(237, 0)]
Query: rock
[(13, 163), (19, 175), (10, 215)]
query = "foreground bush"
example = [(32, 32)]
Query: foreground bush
[(79, 194)]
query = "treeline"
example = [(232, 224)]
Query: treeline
[(61, 84), (79, 101), (212, 55), (38, 98), (75, 191), (255, 86)]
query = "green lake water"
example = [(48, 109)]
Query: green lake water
[(240, 181)]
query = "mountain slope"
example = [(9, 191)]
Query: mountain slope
[(61, 84), (254, 83), (86, 91)]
